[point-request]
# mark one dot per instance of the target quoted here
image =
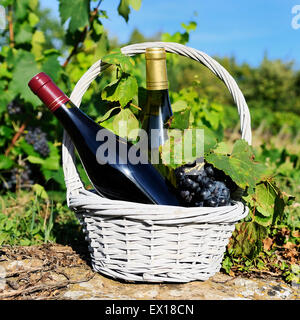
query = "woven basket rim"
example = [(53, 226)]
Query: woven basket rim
[(149, 213)]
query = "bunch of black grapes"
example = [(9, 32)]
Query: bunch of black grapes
[(207, 187), (20, 177), (38, 139), (14, 108)]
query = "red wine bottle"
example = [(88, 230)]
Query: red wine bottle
[(158, 111), (113, 176)]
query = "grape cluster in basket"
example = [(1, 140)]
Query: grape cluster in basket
[(207, 187)]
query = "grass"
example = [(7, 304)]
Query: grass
[(26, 219)]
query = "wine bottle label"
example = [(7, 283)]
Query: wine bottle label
[(156, 69)]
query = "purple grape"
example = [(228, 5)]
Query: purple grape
[(202, 189), (38, 139)]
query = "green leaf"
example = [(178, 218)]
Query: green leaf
[(191, 26), (52, 161), (77, 11), (24, 34), (269, 203), (122, 90), (106, 115), (52, 67), (247, 238), (5, 162), (38, 40), (222, 148), (210, 139), (6, 131), (240, 165), (176, 37), (33, 19), (33, 4), (49, 163), (40, 191), (116, 57), (28, 148), (136, 4), (25, 68), (183, 146), (35, 160), (125, 124), (213, 118), (123, 9), (98, 27), (181, 115), (265, 195), (57, 175), (21, 9), (227, 264)]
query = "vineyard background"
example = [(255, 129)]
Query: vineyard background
[(32, 206)]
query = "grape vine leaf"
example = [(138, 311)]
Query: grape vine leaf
[(25, 68), (183, 146), (5, 162), (24, 34), (49, 163), (269, 203), (191, 26), (246, 239), (32, 4), (77, 11), (222, 148), (125, 124), (38, 39), (181, 115), (40, 191), (33, 19), (116, 57), (240, 165), (124, 9), (106, 115), (122, 90), (136, 4), (52, 67), (21, 9)]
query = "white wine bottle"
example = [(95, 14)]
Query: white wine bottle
[(157, 110)]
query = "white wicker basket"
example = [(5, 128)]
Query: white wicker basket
[(153, 243)]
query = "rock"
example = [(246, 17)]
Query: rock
[(219, 287), (58, 272)]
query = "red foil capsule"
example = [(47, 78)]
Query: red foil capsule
[(43, 86)]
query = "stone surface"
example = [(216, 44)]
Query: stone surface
[(219, 287), (58, 272)]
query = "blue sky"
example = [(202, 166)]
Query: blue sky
[(245, 28)]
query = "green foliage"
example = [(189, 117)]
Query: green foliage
[(36, 220), (124, 7), (240, 165), (66, 48), (122, 90), (71, 10)]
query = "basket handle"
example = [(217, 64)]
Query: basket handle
[(72, 178)]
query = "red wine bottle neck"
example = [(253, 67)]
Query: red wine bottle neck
[(43, 86)]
